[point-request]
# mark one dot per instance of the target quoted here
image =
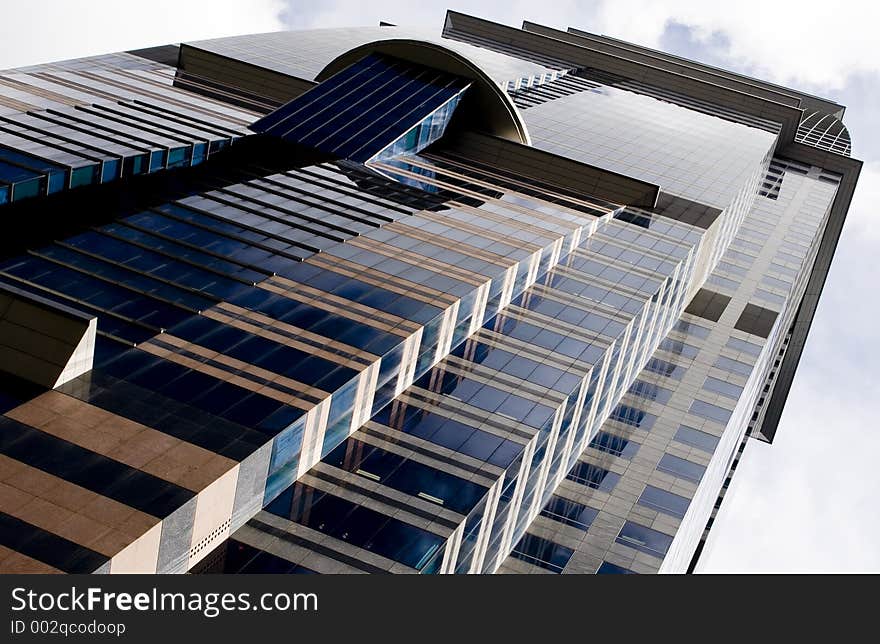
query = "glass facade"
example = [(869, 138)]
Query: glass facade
[(100, 119), (348, 342), (378, 107)]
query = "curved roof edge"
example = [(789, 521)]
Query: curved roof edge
[(490, 109)]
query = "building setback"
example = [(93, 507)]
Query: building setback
[(476, 300)]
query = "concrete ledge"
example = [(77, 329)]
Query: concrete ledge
[(551, 170), (251, 81)]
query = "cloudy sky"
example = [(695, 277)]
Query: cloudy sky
[(808, 503)]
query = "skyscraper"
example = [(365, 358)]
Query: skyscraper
[(475, 300)]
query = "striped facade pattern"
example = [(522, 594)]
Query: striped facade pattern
[(502, 458), (418, 364), (177, 389), (672, 451), (99, 119)]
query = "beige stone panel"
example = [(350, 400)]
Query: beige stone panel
[(213, 515), (141, 556), (12, 562)]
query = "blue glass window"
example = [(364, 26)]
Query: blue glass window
[(650, 391), (542, 552), (593, 476), (613, 569), (568, 512), (746, 347), (696, 438), (681, 467), (616, 445), (734, 366), (709, 411), (452, 434), (633, 416), (664, 368), (679, 348), (406, 475), (663, 501), (358, 525), (722, 387), (368, 109), (644, 539), (241, 558)]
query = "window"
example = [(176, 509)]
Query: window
[(633, 416), (542, 552), (613, 569), (723, 282), (240, 558), (568, 512), (756, 320), (776, 282), (733, 268), (358, 525), (650, 391), (695, 438), (784, 270), (690, 328), (593, 476), (681, 467), (746, 245), (708, 304), (615, 445), (664, 368), (734, 366), (745, 347), (663, 501), (406, 475), (644, 539), (721, 387), (429, 94), (767, 296), (679, 348), (709, 411)]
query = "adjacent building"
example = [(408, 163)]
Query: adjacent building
[(470, 300)]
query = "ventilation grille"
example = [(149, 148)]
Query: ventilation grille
[(209, 540)]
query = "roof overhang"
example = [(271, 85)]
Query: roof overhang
[(486, 106), (575, 50)]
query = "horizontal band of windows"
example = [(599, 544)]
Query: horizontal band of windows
[(722, 387), (614, 445), (593, 476), (681, 468), (644, 539), (696, 438), (568, 512), (663, 501), (406, 475), (357, 525), (542, 552)]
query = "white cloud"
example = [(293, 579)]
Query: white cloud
[(311, 14), (808, 502), (788, 41), (47, 30), (862, 218)]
